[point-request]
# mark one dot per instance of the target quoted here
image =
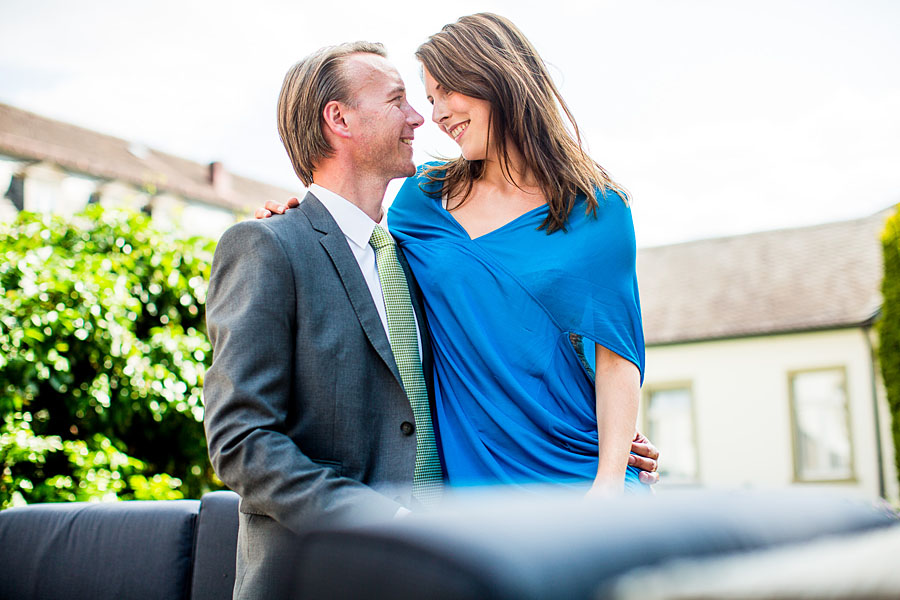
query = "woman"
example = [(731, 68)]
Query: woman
[(523, 248)]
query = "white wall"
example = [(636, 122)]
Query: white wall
[(50, 189), (117, 194), (75, 192), (42, 187), (189, 217), (742, 405)]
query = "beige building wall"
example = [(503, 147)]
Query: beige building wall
[(742, 407)]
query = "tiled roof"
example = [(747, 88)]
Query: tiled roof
[(30, 136), (820, 277)]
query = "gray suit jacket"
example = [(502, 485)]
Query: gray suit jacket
[(306, 417)]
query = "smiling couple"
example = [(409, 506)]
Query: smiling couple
[(490, 334)]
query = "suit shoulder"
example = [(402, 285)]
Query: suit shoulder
[(288, 225), (288, 232)]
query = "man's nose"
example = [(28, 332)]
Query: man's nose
[(414, 118)]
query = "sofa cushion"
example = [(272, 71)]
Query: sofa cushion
[(97, 551)]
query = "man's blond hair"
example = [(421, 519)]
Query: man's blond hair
[(308, 86)]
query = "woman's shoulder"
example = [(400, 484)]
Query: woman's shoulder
[(611, 220), (612, 209), (613, 199)]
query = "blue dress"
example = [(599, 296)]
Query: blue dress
[(508, 312)]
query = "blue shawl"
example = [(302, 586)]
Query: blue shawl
[(508, 312)]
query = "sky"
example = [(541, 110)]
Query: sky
[(719, 117)]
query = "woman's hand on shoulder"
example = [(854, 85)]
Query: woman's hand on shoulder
[(273, 208)]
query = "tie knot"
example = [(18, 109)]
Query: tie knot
[(380, 238)]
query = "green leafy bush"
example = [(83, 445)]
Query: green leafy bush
[(103, 348), (889, 325)]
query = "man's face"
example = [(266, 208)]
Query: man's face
[(382, 123)]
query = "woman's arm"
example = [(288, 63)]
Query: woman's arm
[(618, 389)]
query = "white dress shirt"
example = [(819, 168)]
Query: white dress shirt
[(357, 227)]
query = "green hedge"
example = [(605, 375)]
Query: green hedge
[(103, 348), (889, 325)]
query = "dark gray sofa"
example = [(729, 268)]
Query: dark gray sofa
[(166, 550), (491, 545)]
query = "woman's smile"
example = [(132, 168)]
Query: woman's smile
[(457, 130)]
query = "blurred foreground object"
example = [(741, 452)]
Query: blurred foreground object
[(853, 566), (550, 546)]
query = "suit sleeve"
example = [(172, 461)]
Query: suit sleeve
[(248, 393)]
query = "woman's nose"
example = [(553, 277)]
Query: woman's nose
[(439, 113)]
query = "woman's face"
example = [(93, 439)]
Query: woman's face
[(465, 119)]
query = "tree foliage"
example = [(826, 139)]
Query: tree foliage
[(889, 325), (103, 348)]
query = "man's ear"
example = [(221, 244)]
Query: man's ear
[(334, 116)]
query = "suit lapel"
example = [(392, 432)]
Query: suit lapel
[(335, 244)]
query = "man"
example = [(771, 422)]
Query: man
[(316, 343), (306, 414)]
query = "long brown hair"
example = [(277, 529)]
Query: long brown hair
[(485, 56)]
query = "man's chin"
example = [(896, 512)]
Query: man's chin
[(408, 171)]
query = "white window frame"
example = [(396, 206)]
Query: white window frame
[(649, 392), (800, 474)]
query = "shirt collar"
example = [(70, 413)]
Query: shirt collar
[(353, 222)]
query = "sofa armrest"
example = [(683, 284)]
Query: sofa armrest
[(214, 557)]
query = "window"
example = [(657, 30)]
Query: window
[(16, 192), (669, 423), (822, 448)]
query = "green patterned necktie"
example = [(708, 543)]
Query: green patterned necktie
[(404, 344)]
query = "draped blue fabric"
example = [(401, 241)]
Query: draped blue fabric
[(515, 399)]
